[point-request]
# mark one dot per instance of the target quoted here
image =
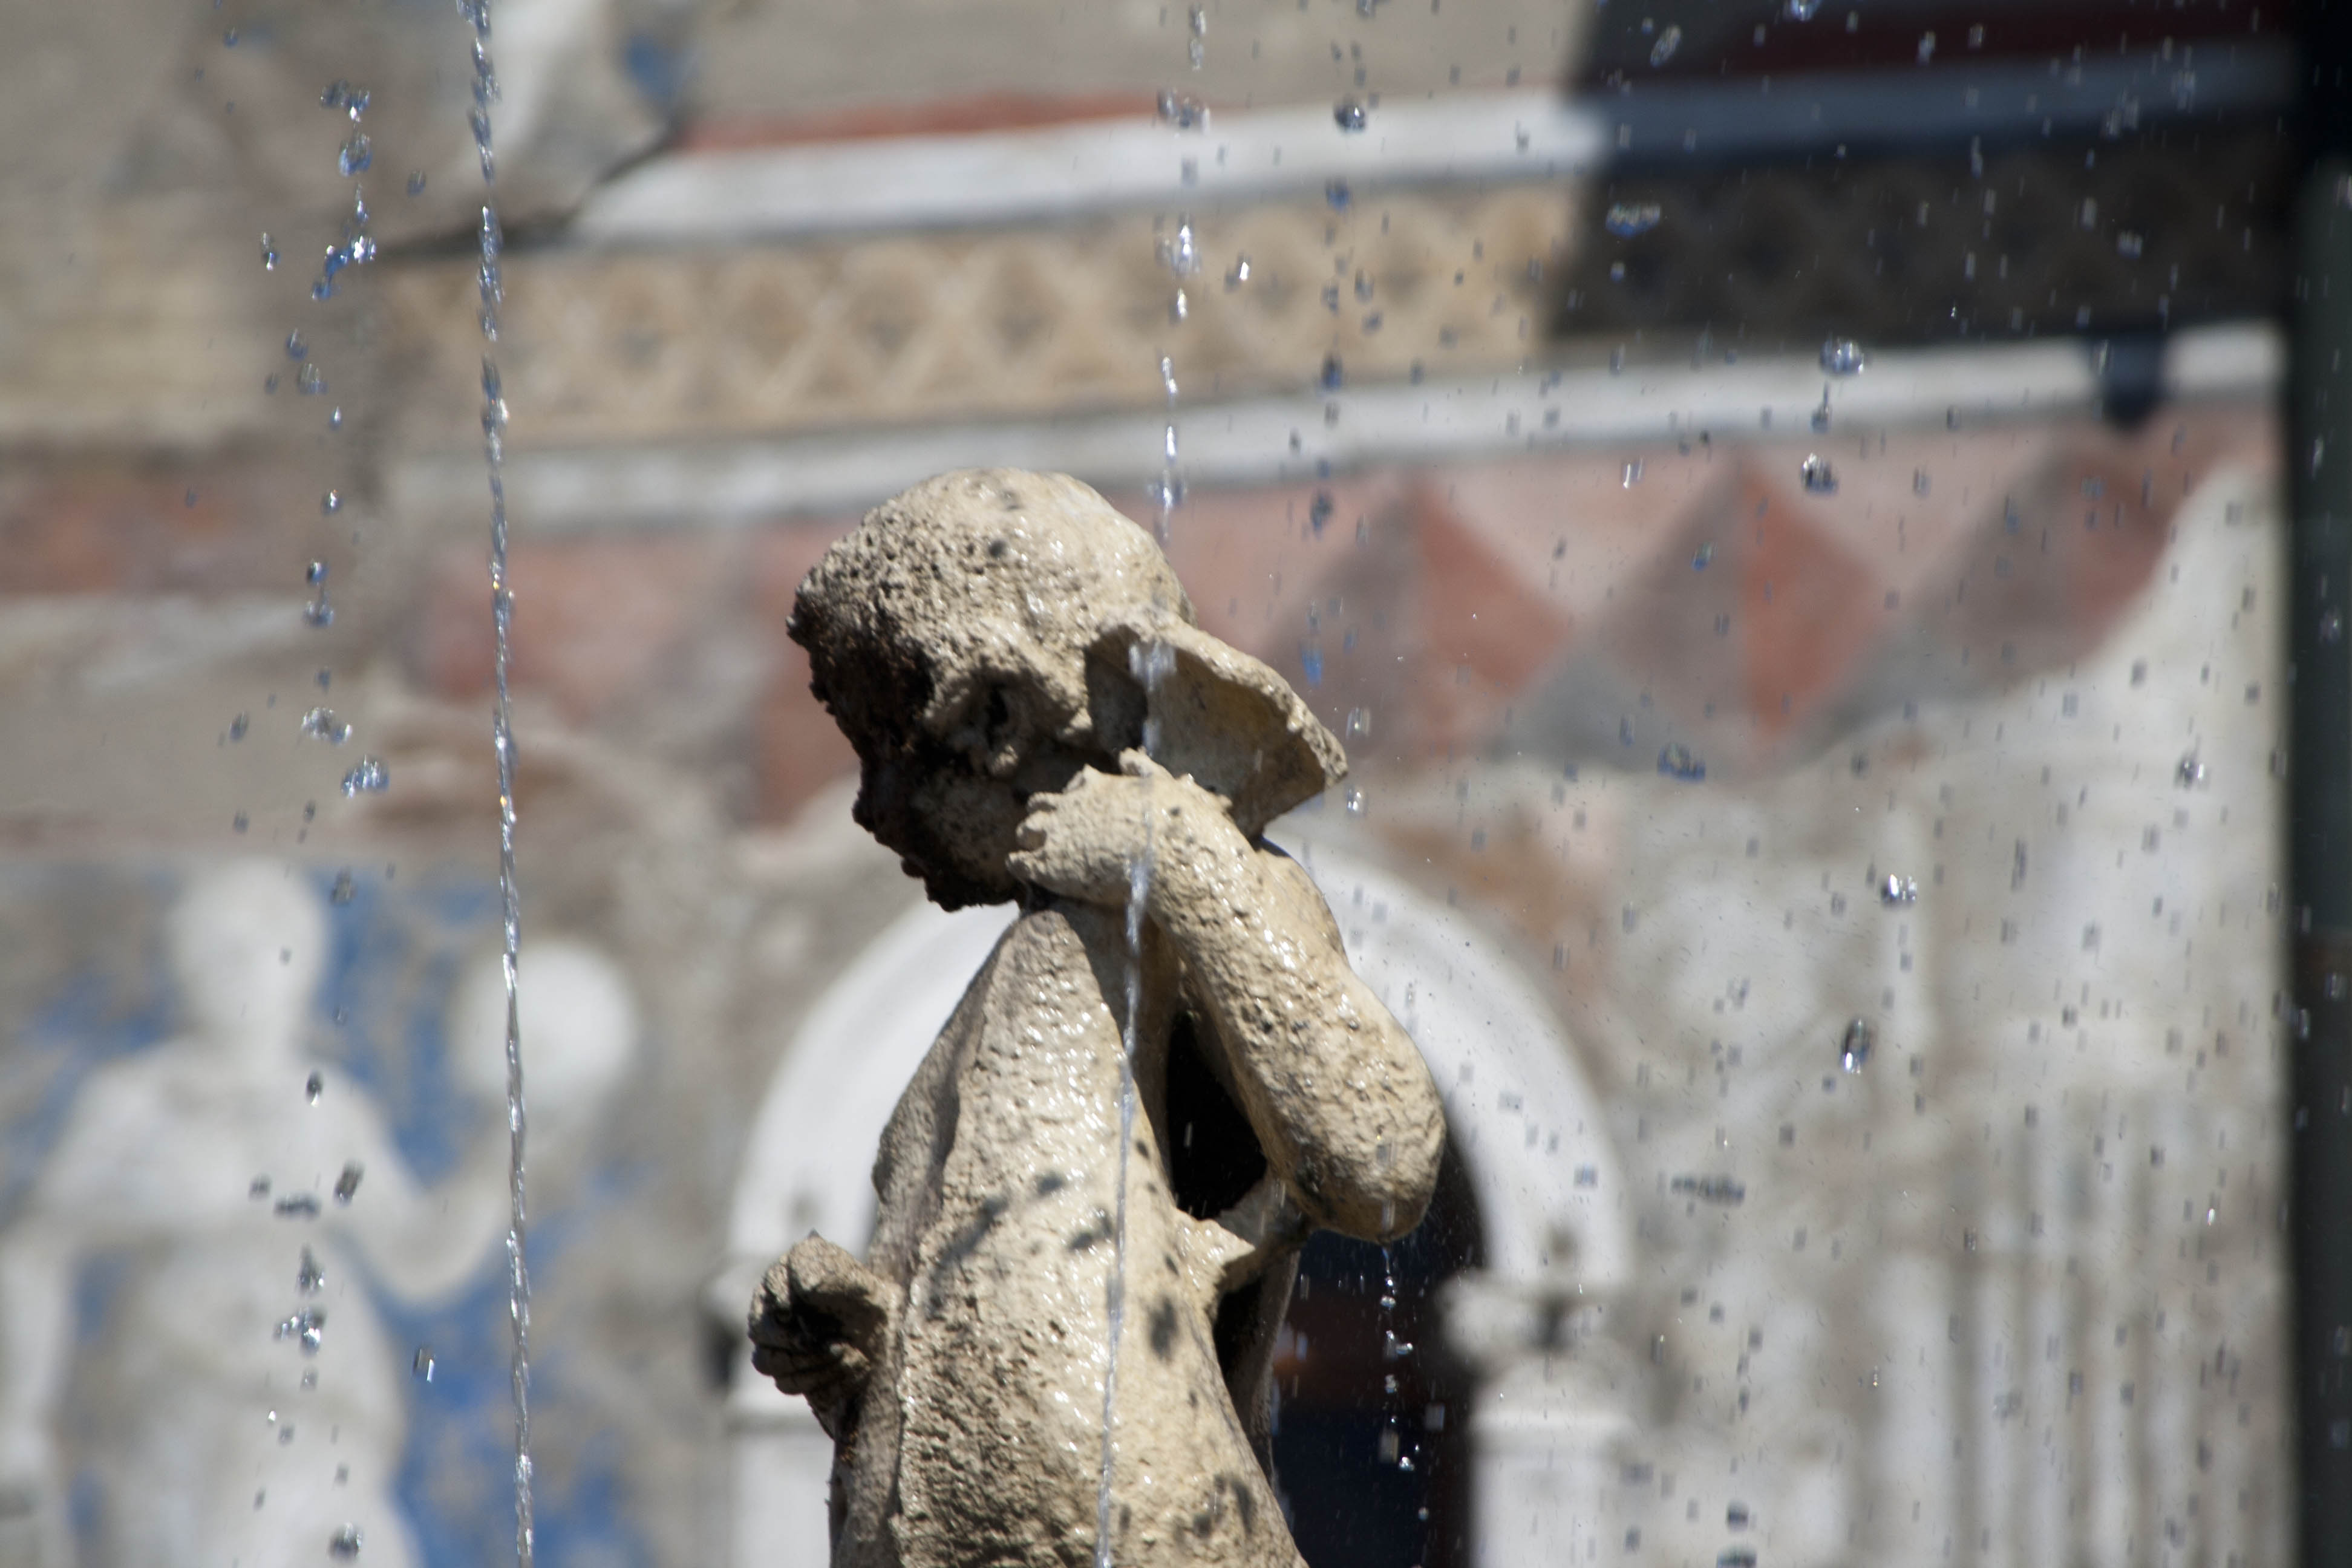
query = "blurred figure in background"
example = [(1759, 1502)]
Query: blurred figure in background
[(197, 1260)]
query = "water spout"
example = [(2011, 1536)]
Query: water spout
[(494, 420)]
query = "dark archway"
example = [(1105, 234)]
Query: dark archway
[(1372, 1477)]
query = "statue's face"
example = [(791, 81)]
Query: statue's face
[(951, 804)]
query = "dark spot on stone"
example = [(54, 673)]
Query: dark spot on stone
[(1052, 1181), (964, 1244), (1163, 1328), (1246, 1506), (1203, 1522)]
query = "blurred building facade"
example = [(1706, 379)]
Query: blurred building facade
[(1862, 768)]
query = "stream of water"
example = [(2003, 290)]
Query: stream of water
[(1150, 663), (494, 420)]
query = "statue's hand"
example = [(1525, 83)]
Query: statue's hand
[(1085, 841), (817, 1326), (31, 1495)]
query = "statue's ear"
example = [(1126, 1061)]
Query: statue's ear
[(1225, 717)]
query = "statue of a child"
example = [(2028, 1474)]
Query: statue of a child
[(1004, 650)]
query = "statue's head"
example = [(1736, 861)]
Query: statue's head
[(987, 634), (248, 940)]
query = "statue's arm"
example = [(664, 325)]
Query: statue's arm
[(36, 1351), (1335, 1089), (421, 1242), (820, 1319)]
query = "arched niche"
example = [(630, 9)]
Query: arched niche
[(1549, 1197)]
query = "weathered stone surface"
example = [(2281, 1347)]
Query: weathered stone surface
[(996, 645)]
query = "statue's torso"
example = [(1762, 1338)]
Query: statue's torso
[(980, 1439)]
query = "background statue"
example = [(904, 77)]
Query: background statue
[(243, 1207), (1038, 719)]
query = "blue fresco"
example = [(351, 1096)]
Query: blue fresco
[(398, 947)]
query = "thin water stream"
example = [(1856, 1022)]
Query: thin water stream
[(1138, 894), (1148, 663), (494, 420)]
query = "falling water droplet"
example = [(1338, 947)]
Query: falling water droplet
[(347, 1182), (1816, 474), (1319, 510), (318, 613), (1633, 473), (331, 503), (371, 777), (268, 253), (1359, 723), (1716, 1189), (1853, 1050), (357, 153), (1333, 373), (237, 727), (1919, 481), (309, 1279), (2331, 626), (1677, 763), (2191, 772), (1349, 115), (1182, 111), (1355, 801), (1664, 49), (1335, 193), (322, 723), (1736, 1517), (309, 382), (344, 1544), (1626, 219), (297, 1206), (344, 889), (311, 1086), (422, 1363), (1898, 891), (1181, 253), (1842, 356), (304, 1327), (1240, 274)]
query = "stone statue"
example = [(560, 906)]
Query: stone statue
[(1039, 720), (246, 1403)]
